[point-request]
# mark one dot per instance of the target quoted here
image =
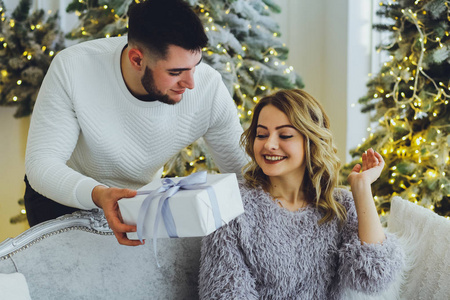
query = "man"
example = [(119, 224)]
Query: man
[(110, 114)]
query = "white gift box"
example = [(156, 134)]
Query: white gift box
[(191, 209)]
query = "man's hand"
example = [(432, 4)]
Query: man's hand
[(106, 198)]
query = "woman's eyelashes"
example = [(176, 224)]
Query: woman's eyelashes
[(281, 136)]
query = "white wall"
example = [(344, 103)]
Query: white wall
[(361, 45)]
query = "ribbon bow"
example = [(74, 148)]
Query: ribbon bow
[(168, 189)]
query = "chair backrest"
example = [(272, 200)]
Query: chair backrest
[(425, 236), (77, 257)]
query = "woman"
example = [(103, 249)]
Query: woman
[(300, 236)]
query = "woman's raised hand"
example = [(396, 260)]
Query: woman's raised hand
[(372, 165)]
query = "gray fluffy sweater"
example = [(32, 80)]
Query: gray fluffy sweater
[(272, 253)]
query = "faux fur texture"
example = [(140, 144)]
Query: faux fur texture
[(272, 253), (425, 236)]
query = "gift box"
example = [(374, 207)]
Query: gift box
[(196, 206)]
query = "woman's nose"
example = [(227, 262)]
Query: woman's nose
[(271, 143)]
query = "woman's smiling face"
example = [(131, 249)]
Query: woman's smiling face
[(278, 147)]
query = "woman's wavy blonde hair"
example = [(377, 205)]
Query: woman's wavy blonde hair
[(322, 163)]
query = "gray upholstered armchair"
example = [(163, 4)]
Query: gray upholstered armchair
[(77, 257)]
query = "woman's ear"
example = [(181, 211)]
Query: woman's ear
[(136, 57)]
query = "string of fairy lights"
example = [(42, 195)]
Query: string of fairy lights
[(427, 148)]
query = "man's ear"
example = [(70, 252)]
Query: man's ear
[(136, 58)]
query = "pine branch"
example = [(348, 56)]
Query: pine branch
[(29, 43), (20, 14)]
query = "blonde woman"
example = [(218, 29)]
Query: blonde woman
[(300, 237)]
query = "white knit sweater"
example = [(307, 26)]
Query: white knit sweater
[(88, 129)]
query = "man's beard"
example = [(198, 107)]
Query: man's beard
[(148, 82)]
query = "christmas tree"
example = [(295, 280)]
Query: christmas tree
[(409, 103), (244, 46), (28, 43)]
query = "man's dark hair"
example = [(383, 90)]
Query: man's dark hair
[(156, 24)]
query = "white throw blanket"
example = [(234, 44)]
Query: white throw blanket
[(425, 237), (14, 287)]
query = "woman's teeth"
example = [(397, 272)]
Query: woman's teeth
[(273, 158)]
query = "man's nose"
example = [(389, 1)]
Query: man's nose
[(187, 80)]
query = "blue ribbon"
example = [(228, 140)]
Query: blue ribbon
[(168, 189)]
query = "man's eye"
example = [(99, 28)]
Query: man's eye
[(285, 137), (174, 73)]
